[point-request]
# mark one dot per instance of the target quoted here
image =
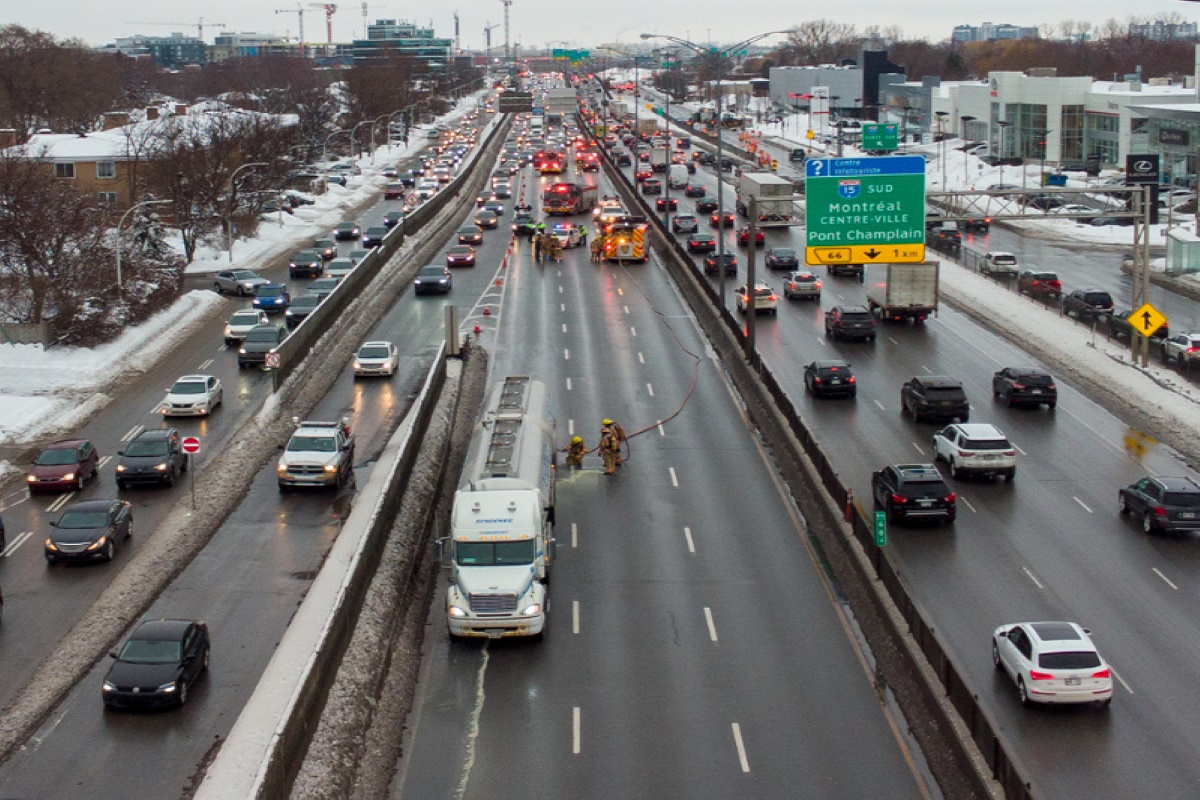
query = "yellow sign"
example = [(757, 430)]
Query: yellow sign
[(865, 254), (810, 134), (1146, 320)]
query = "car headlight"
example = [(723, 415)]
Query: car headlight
[(456, 612), (281, 469), (120, 467), (161, 467), (31, 478), (228, 332), (357, 364), (331, 468), (51, 546), (167, 687), (96, 545), (109, 686), (70, 476), (531, 610), (241, 351)]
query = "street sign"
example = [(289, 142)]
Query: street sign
[(272, 360), (880, 136), (515, 103), (865, 210), (880, 529), (1147, 319), (190, 445)]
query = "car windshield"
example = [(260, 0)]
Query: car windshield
[(782, 252), (147, 448), (924, 489), (1182, 499), (373, 352), (1069, 660), (188, 387), (244, 318), (430, 272), (57, 457), (270, 291), (312, 444), (492, 554), (262, 336), (307, 301), (150, 651), (83, 519), (944, 392), (244, 275)]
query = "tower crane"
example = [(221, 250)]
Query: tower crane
[(457, 47), (507, 46), (330, 9), (487, 37), (199, 25), (299, 12)]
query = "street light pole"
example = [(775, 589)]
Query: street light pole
[(373, 125), (965, 118), (325, 146), (1001, 124), (230, 204), (121, 224), (941, 117)]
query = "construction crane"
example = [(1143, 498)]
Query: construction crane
[(330, 9), (199, 25), (299, 12), (457, 48), (507, 47), (487, 37)]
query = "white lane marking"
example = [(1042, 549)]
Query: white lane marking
[(575, 730), (1018, 449), (626, 309), (1165, 578), (568, 384), (205, 364), (893, 341), (919, 449), (881, 408), (564, 327), (821, 340), (560, 290), (575, 616), (134, 431), (641, 359), (222, 348), (574, 536), (62, 500), (1119, 678), (661, 430), (633, 331), (687, 534), (927, 369), (104, 460), (741, 748), (570, 422), (674, 478), (562, 306), (968, 502), (650, 389), (566, 354), (712, 628), (1036, 582), (15, 543), (1085, 508)]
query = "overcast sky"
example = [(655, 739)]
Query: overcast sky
[(540, 23)]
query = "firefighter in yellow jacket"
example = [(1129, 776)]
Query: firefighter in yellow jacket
[(619, 434), (575, 451), (609, 449)]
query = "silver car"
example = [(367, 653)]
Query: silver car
[(802, 284), (241, 322), (241, 282)]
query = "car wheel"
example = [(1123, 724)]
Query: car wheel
[(871, 338), (217, 288), (995, 391), (241, 292), (207, 657), (996, 657), (1147, 523), (183, 689), (79, 482), (1122, 505), (1010, 476), (110, 550), (122, 486), (1022, 692), (953, 468), (169, 480)]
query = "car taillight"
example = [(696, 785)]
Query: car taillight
[(850, 379), (950, 498), (898, 499), (1159, 511), (1104, 673), (817, 379), (1018, 386), (817, 284), (1035, 675), (1052, 386), (966, 453), (1193, 349), (773, 297)]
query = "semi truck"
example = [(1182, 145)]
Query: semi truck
[(902, 291), (773, 198), (560, 101), (501, 541)]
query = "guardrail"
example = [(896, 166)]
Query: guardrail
[(795, 443), (266, 746)]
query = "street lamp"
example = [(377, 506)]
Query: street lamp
[(1001, 124), (230, 193), (121, 223), (353, 132), (374, 124), (325, 146), (962, 131), (718, 57), (941, 118)]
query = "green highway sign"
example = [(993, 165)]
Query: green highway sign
[(880, 529), (880, 136), (865, 210)]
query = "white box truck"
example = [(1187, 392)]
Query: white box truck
[(647, 126), (501, 539), (902, 291), (677, 176), (773, 198), (660, 158)]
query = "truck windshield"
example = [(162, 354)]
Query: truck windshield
[(494, 554)]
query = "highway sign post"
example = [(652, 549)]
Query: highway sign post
[(880, 529), (191, 446), (865, 210), (880, 136), (1147, 319)]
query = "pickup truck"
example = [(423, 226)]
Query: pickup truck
[(319, 454)]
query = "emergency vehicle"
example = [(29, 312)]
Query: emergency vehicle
[(565, 199), (626, 241), (567, 234), (549, 162)]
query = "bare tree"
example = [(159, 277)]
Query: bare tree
[(820, 41)]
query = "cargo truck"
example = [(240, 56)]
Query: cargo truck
[(660, 157), (560, 100), (501, 541), (902, 291), (773, 196), (647, 126)]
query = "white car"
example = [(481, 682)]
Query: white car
[(192, 396), (243, 321), (975, 449), (999, 263), (802, 284), (427, 188), (1052, 662), (376, 358), (765, 299), (567, 234), (339, 268), (1183, 347)]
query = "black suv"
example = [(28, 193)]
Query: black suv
[(1165, 504), (153, 456), (829, 377), (306, 262), (935, 397), (1031, 385), (913, 491), (713, 262), (1086, 304), (260, 340), (849, 322)]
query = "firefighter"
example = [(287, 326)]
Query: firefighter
[(555, 248), (597, 248), (537, 248), (619, 434), (609, 448), (575, 451)]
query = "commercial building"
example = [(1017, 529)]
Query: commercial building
[(852, 89), (169, 52), (990, 32), (387, 37)]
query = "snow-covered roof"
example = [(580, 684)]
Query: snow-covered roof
[(1146, 90)]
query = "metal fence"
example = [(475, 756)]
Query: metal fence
[(26, 333)]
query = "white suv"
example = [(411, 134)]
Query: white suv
[(765, 299), (999, 263), (1052, 662), (1182, 347), (975, 449)]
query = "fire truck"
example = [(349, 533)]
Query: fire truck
[(566, 199), (627, 242), (549, 162)]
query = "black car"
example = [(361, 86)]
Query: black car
[(830, 377), (666, 203), (300, 308), (306, 263), (1024, 385), (433, 279), (706, 205), (470, 234), (652, 186), (694, 190), (326, 247), (782, 258), (913, 491), (523, 223), (1164, 504), (89, 530), (701, 243), (373, 236), (713, 261), (157, 664), (850, 322), (347, 231), (1087, 304), (393, 218), (153, 456), (260, 340), (323, 287), (935, 397)]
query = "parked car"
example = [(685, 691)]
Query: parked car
[(376, 358), (241, 282), (714, 262), (193, 396), (272, 298), (64, 465), (433, 279), (89, 530), (999, 262), (1039, 283), (260, 340), (153, 456), (849, 322), (935, 397), (1025, 385), (802, 284), (1163, 504), (913, 492), (157, 665), (765, 300), (1181, 347), (1052, 662), (1087, 304), (782, 258), (830, 376), (975, 449), (1121, 324)]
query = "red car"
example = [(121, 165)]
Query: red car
[(721, 220), (63, 465), (460, 255), (642, 175), (743, 237), (666, 203)]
